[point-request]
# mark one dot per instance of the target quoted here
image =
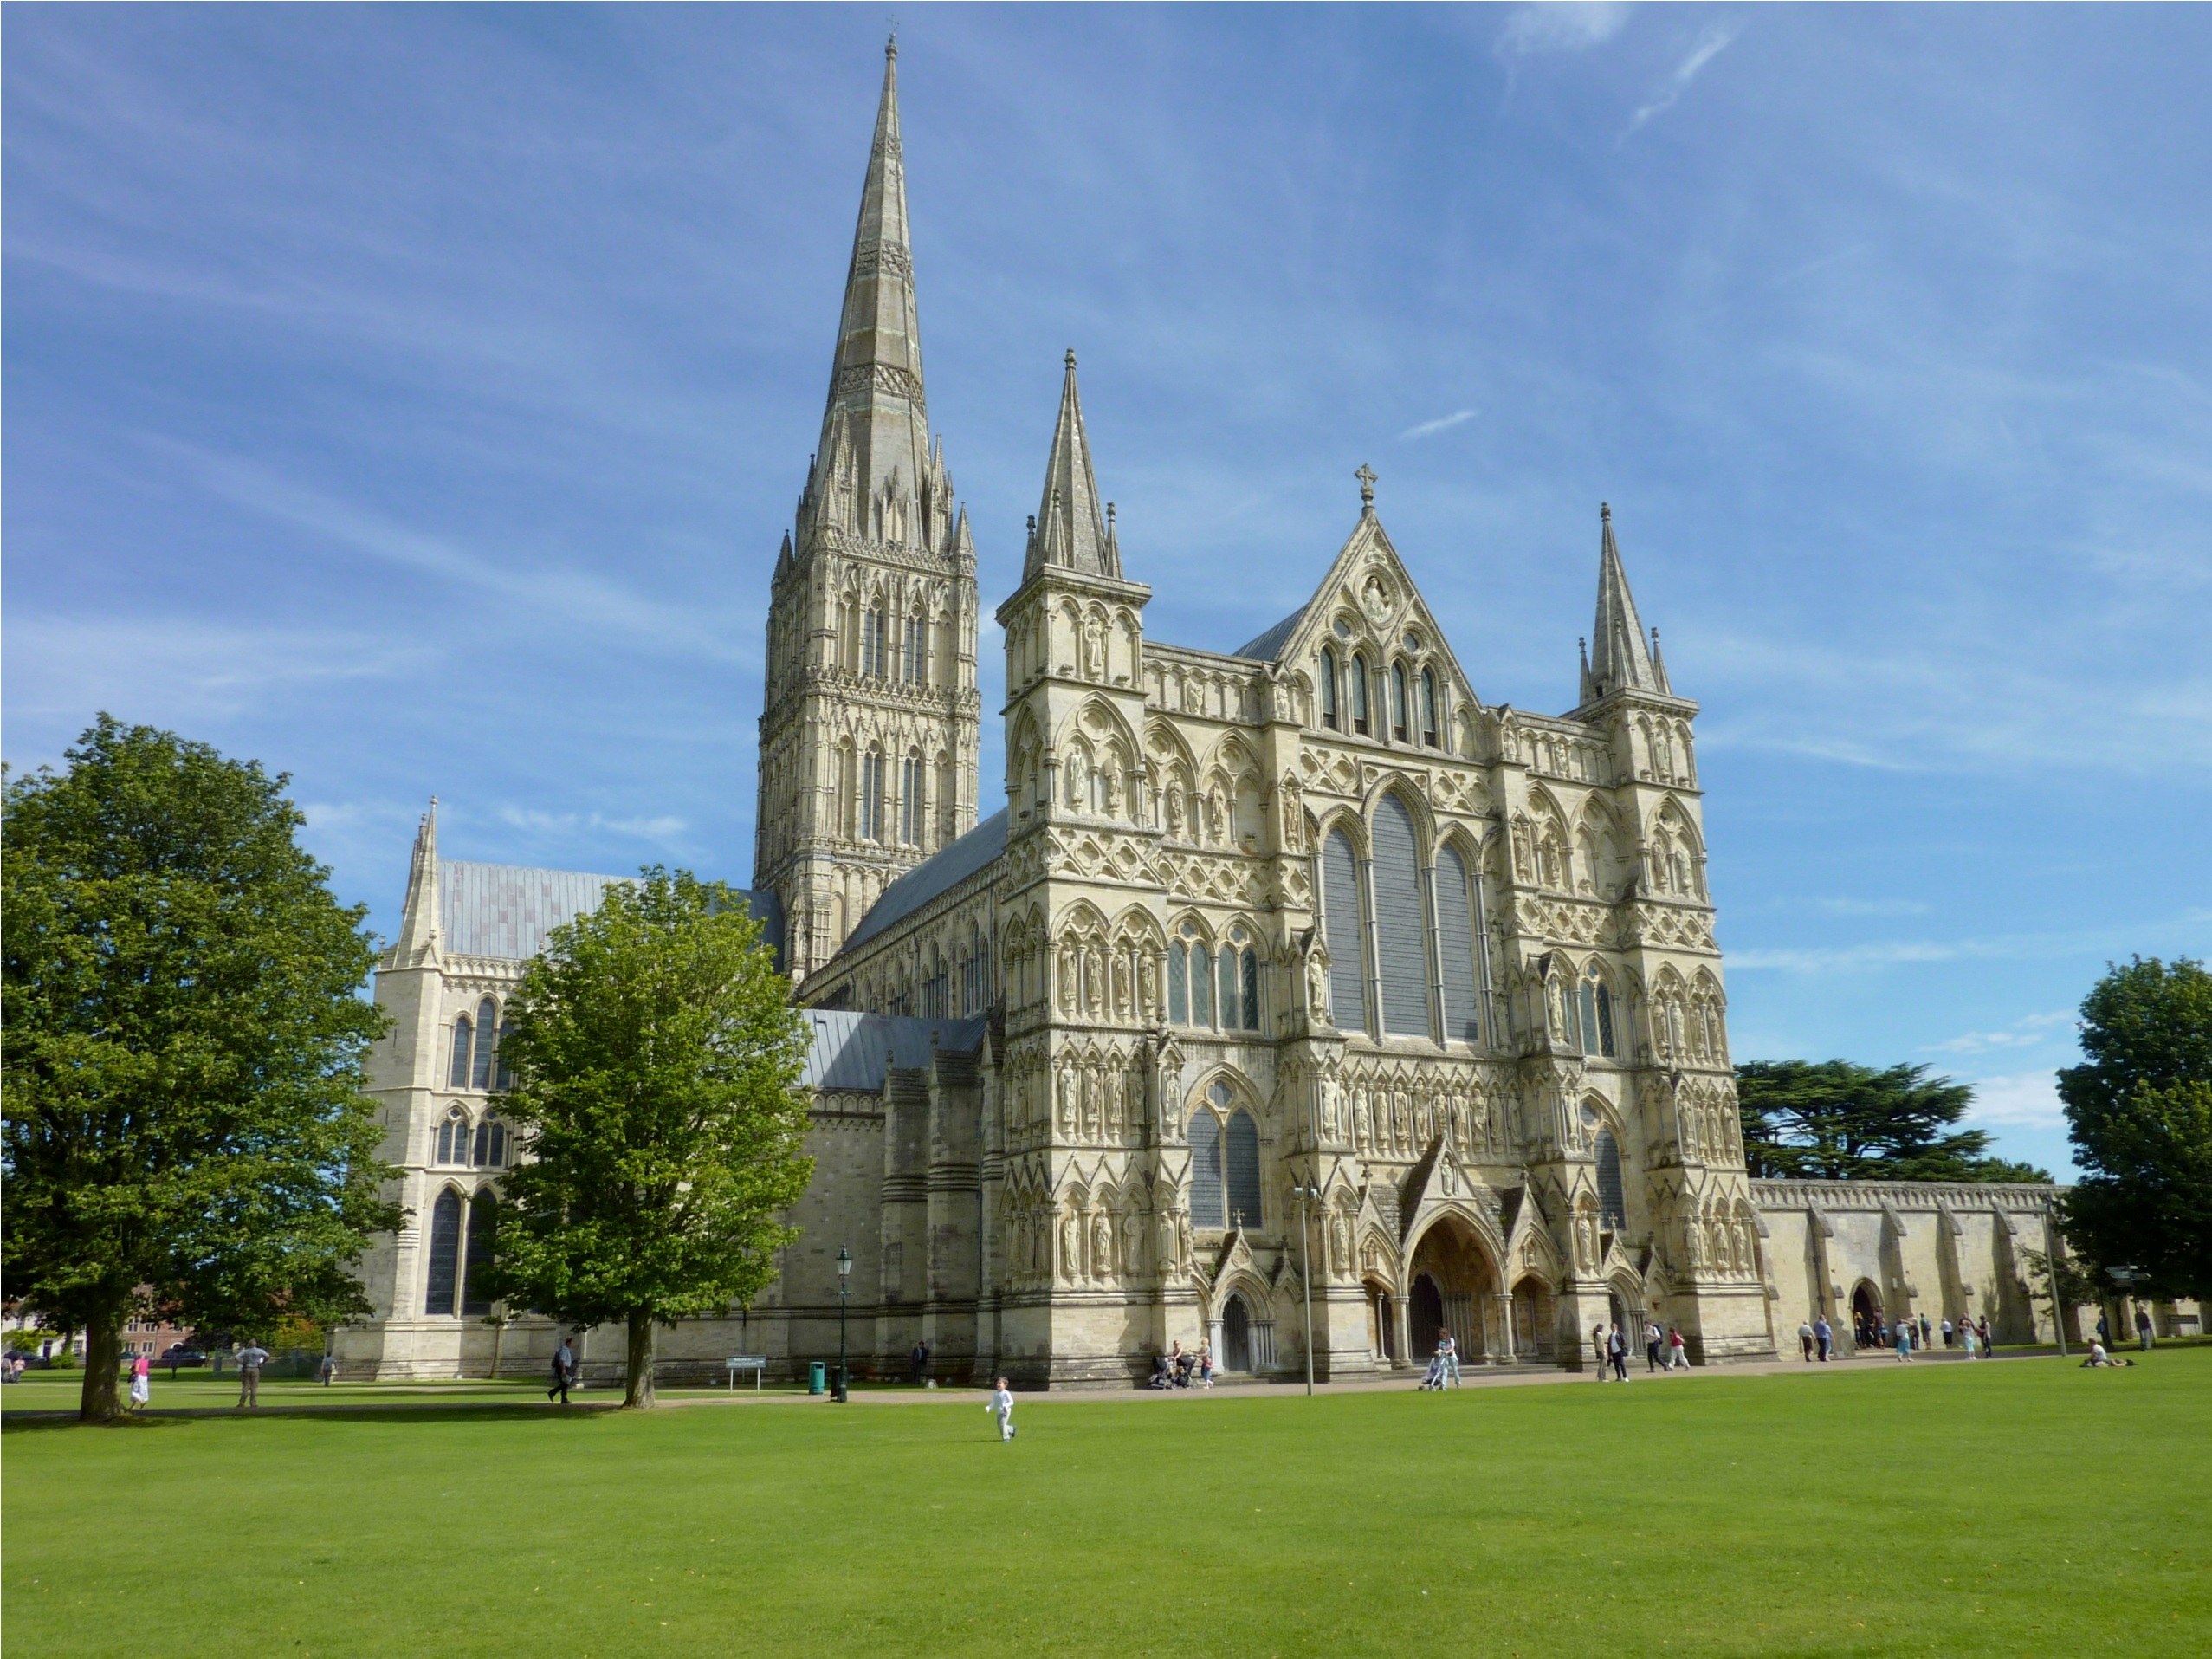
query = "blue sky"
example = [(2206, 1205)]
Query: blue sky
[(414, 398)]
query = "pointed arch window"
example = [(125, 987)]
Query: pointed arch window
[(1209, 1199), (1455, 943), (502, 1079), (1328, 715), (452, 1138), (1359, 693), (1201, 961), (1613, 1204), (914, 658), (1344, 926), (871, 795), (1398, 701), (1597, 1016), (487, 1041), (444, 1254), (489, 1152), (477, 1269), (1240, 1167), (872, 643), (1401, 923), (1429, 727), (463, 1031), (1179, 994), (912, 805)]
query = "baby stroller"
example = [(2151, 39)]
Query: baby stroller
[(1435, 1377), (1162, 1377)]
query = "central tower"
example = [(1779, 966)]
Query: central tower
[(869, 731)]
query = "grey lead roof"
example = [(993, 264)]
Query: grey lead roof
[(1264, 649), (850, 1050), (932, 876), (507, 912)]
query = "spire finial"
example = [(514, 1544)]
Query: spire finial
[(1605, 512), (1070, 359), (1366, 476), (891, 45)]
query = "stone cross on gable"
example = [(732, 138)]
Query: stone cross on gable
[(1366, 476)]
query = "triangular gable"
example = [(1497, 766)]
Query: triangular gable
[(1367, 553), (1441, 1181)]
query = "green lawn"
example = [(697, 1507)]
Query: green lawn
[(2021, 1508)]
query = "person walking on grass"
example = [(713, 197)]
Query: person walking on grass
[(1927, 1331), (251, 1359), (2143, 1329), (1616, 1348), (1824, 1334), (1654, 1339), (564, 1372), (1904, 1342), (329, 1370), (1805, 1340), (141, 1382), (921, 1358), (1002, 1403), (1678, 1352), (1988, 1352)]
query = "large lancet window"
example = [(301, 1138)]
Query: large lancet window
[(490, 1149), (913, 659), (1429, 727), (1398, 701), (487, 1041), (444, 1253), (464, 1032), (1240, 1165), (1359, 694), (453, 1138), (1455, 945), (872, 643), (475, 1278), (911, 801), (1342, 921), (871, 795), (1328, 715), (1597, 1016), (1400, 922), (1613, 1207), (1209, 1199)]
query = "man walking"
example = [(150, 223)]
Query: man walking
[(251, 1359), (1616, 1348), (920, 1357), (1924, 1332), (564, 1372), (1655, 1338), (1824, 1334), (1597, 1347), (329, 1368), (1805, 1341), (2143, 1328)]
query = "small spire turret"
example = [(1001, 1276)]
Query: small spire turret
[(1619, 659)]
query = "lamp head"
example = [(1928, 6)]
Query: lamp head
[(844, 1262)]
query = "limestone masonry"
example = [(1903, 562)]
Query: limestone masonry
[(1300, 951)]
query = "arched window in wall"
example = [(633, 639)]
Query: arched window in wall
[(1455, 943), (1240, 1164), (872, 643), (1400, 922), (911, 802), (487, 1041), (1209, 1201), (1429, 726), (444, 1253), (490, 1149), (457, 1077), (871, 795), (914, 658), (502, 1079), (1238, 1002), (453, 1138), (1613, 1204), (1597, 1016), (475, 1278), (1359, 688), (1398, 701), (1328, 715), (1342, 921)]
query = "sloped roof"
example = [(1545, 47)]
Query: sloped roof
[(851, 1050), (1268, 645), (508, 911), (934, 876)]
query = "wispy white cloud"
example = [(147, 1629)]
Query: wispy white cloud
[(1711, 43), (2018, 1100), (1892, 953), (665, 827), (1871, 906), (1532, 30), (1442, 424), (2028, 1033)]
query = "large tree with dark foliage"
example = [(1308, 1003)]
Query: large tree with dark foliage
[(2139, 1113), (185, 1131), (655, 1055), (1833, 1120)]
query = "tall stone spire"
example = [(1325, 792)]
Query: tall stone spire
[(418, 916), (1069, 531), (875, 443), (1619, 660)]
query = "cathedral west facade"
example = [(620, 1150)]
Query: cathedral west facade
[(1294, 961)]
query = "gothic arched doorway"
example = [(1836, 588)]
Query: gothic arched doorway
[(1454, 1288), (1424, 1316), (1236, 1336), (1868, 1317)]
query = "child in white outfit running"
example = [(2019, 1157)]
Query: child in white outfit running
[(1002, 1401)]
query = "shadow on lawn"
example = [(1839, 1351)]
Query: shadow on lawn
[(28, 1423)]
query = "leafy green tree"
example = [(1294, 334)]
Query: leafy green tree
[(1833, 1120), (656, 1057), (2139, 1114), (185, 1132)]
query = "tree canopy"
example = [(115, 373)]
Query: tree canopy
[(657, 1059), (185, 1132), (2139, 1114), (1834, 1120)]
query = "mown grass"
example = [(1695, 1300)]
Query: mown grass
[(2025, 1506)]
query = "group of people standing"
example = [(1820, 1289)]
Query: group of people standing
[(1181, 1368), (1664, 1350)]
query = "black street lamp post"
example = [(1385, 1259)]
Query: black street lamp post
[(844, 1279), (1306, 1194)]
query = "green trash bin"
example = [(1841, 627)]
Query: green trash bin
[(817, 1376)]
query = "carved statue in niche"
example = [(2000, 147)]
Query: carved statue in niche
[(1093, 979), (1148, 987), (1094, 649), (1217, 816), (1124, 993), (1293, 816), (1317, 986), (1173, 805), (1069, 975), (1101, 1245), (1586, 1242), (1078, 780), (1111, 784), (1067, 1105), (1340, 1243), (1132, 1244), (1183, 1239), (1070, 1246), (1164, 1232), (1362, 1127)]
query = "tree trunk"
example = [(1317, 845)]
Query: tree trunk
[(100, 1400), (637, 1392)]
